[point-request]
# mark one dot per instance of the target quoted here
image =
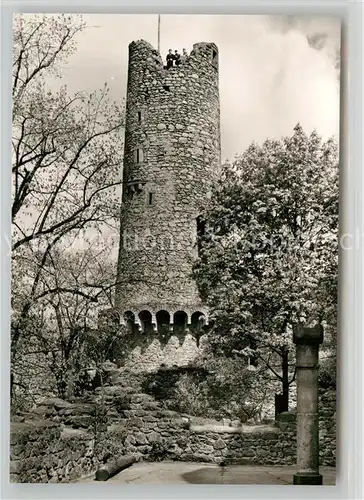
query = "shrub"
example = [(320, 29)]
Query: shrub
[(212, 388), (327, 377), (190, 397), (159, 451), (162, 384)]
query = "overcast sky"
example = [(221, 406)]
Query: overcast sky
[(274, 70)]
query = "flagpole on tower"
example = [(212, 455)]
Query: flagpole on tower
[(159, 33)]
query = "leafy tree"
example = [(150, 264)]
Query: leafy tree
[(269, 254), (67, 154), (63, 336)]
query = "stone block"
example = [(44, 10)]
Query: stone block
[(140, 413), (80, 421), (141, 438), (130, 439), (16, 466), (286, 416), (205, 449), (219, 444), (44, 411), (248, 453), (154, 437), (235, 423), (150, 418), (270, 436), (113, 390), (17, 450), (57, 403), (83, 409), (65, 412), (136, 422), (140, 398), (152, 407)]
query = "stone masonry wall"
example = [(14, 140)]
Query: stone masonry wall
[(56, 443), (172, 116), (166, 435), (59, 445), (146, 353), (155, 433), (42, 452)]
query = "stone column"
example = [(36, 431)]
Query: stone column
[(138, 325), (189, 323), (307, 342), (154, 323)]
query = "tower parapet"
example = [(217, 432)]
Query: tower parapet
[(171, 157)]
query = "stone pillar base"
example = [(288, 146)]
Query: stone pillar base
[(307, 478)]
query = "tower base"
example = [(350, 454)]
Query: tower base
[(307, 478)]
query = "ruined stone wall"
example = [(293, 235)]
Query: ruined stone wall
[(42, 452), (157, 434), (172, 154), (56, 443), (59, 445)]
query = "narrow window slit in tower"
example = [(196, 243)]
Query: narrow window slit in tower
[(139, 116), (150, 199), (139, 155)]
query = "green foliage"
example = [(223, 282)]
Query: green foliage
[(159, 451), (232, 391), (67, 151), (102, 344), (215, 387), (269, 256), (327, 372), (162, 384), (237, 389)]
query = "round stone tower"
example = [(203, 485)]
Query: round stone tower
[(171, 157)]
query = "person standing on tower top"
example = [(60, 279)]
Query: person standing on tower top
[(184, 55), (177, 57), (170, 59)]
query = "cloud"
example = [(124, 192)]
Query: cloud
[(275, 71), (322, 33)]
